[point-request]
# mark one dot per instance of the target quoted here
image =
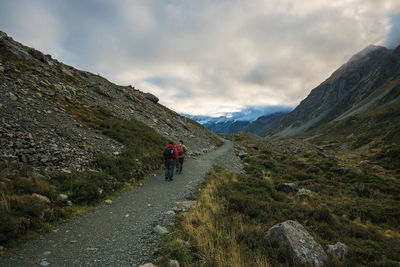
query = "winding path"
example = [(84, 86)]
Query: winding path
[(120, 234)]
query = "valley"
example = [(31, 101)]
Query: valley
[(81, 172)]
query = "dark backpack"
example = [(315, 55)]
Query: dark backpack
[(169, 153)]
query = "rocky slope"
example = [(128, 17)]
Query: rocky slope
[(48, 110), (369, 80)]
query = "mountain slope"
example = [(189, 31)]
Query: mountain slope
[(264, 123), (56, 116), (70, 139), (367, 77)]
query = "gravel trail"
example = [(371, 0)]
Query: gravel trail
[(120, 234)]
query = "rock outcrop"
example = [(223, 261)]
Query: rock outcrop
[(300, 243)]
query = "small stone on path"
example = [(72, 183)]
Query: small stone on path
[(170, 212), (160, 230)]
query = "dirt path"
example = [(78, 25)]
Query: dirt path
[(120, 234)]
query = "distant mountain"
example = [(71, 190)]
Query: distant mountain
[(368, 81), (264, 123), (236, 121), (227, 127)]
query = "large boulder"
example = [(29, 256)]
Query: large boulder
[(300, 243), (151, 97)]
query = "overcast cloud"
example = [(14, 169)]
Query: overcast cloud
[(206, 57)]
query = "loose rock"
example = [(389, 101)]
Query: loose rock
[(339, 249), (300, 243), (242, 154), (286, 187), (173, 263), (184, 205), (303, 194), (41, 198), (160, 230), (63, 196)]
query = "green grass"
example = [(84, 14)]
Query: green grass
[(360, 209), (22, 216)]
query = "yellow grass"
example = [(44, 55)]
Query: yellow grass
[(215, 240)]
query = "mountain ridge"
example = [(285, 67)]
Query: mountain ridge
[(237, 121), (364, 74)]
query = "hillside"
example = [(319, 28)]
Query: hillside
[(52, 113), (70, 139), (264, 123), (367, 81)]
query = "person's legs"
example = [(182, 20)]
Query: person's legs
[(171, 165), (180, 164), (166, 165)]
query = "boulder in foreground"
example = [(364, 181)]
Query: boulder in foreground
[(300, 243)]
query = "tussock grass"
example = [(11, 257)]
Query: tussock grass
[(355, 205), (213, 234)]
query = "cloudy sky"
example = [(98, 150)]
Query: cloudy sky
[(206, 57)]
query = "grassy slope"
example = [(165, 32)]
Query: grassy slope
[(356, 205), (21, 215)]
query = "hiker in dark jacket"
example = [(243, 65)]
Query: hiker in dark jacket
[(181, 148), (170, 158)]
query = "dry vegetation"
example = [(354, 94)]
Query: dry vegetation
[(355, 204)]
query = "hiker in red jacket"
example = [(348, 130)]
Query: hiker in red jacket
[(170, 158), (182, 149)]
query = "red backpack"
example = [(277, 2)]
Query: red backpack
[(180, 150)]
